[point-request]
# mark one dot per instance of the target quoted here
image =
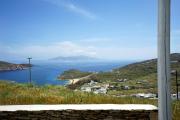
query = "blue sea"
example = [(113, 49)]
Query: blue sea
[(46, 73)]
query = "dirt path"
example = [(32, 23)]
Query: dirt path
[(75, 80)]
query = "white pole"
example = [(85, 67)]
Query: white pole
[(164, 98)]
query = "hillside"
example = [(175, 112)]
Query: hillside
[(140, 70), (72, 73), (15, 93), (5, 66), (145, 68), (139, 77), (20, 94)]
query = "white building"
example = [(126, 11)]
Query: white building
[(145, 95), (86, 89)]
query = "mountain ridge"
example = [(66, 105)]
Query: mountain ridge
[(74, 58)]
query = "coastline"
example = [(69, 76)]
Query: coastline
[(75, 80), (8, 70), (4, 66)]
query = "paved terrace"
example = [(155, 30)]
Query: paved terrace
[(80, 112)]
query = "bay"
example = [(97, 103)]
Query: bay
[(46, 73)]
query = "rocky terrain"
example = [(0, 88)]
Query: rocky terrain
[(5, 66)]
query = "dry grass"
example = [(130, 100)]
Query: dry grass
[(16, 94), (12, 93), (176, 110)]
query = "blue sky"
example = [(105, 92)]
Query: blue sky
[(109, 29)]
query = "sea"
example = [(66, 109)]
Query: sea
[(46, 73)]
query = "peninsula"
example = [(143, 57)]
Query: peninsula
[(6, 66)]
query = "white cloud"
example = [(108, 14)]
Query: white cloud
[(81, 11), (73, 8), (65, 48), (88, 47)]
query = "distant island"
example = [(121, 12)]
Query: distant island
[(6, 66), (74, 58)]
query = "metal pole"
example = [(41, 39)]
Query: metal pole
[(29, 69), (164, 95)]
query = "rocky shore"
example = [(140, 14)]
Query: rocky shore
[(5, 66)]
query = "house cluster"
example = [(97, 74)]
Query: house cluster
[(95, 87), (100, 88), (122, 87), (154, 96)]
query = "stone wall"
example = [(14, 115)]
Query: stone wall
[(80, 115)]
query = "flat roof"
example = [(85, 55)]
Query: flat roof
[(78, 107)]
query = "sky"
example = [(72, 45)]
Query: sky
[(105, 29)]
